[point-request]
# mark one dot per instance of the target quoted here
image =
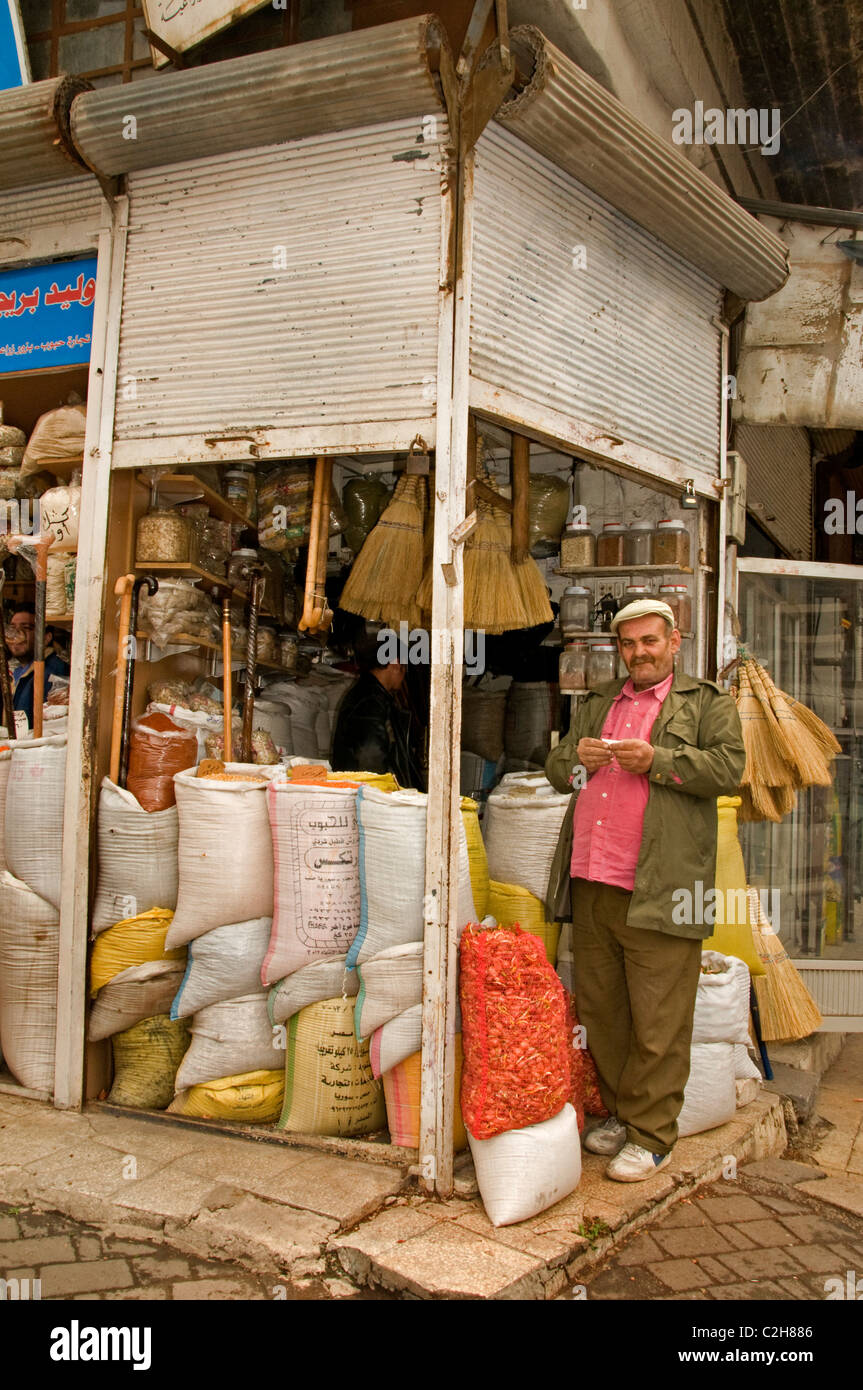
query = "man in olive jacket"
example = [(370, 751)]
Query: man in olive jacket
[(647, 757)]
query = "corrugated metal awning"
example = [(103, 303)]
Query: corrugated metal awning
[(34, 130), (779, 483), (567, 116), (387, 73)]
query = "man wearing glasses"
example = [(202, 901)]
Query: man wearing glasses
[(20, 643)]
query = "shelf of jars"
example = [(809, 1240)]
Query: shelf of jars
[(591, 635), (185, 639), (185, 487), (621, 571)]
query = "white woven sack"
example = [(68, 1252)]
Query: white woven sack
[(325, 979), (744, 1067), (230, 1038), (392, 828), (710, 1098), (34, 814), (29, 952), (5, 769), (521, 829), (275, 718), (401, 1037), (222, 964), (316, 892), (390, 983), (225, 854), (137, 858), (722, 1001), (304, 704), (140, 992), (525, 1171)]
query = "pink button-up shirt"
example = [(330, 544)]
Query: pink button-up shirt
[(609, 812)]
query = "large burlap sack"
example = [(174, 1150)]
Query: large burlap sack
[(159, 748), (392, 830), (222, 964), (137, 857), (5, 769), (29, 951), (390, 983), (131, 942), (710, 1098), (254, 1098), (228, 1038), (512, 906), (521, 829), (722, 1000), (146, 1058), (325, 979), (316, 893), (525, 1171), (329, 1086), (225, 855), (402, 1094), (34, 814), (140, 992), (483, 713)]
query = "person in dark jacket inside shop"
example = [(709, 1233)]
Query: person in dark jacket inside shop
[(20, 644), (372, 731)]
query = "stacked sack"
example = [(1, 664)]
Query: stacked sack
[(522, 823), (32, 780), (721, 1073)]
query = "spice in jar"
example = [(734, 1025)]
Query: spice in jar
[(268, 646), (638, 543), (678, 600), (578, 547), (602, 663), (573, 668), (609, 545), (237, 486), (165, 537), (576, 606), (671, 543), (240, 560)]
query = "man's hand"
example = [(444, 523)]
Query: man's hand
[(593, 753), (633, 754)]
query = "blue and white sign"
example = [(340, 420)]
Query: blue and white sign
[(14, 62), (46, 315)]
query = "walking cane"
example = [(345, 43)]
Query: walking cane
[(227, 681), (257, 578), (152, 586), (5, 679), (123, 590), (41, 547)]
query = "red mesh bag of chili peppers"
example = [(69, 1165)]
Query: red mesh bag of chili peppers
[(514, 1032)]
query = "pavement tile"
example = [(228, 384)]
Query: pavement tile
[(167, 1193), (89, 1170), (8, 1228), (691, 1241), (19, 1146), (751, 1293), (732, 1208), (768, 1232), (817, 1258), (760, 1264), (685, 1213), (161, 1264), (638, 1251), (448, 1260), (851, 1253), (344, 1188), (208, 1289), (253, 1227), (718, 1273), (780, 1170), (780, 1205), (846, 1193), (390, 1227), (152, 1291), (735, 1237), (797, 1288), (45, 1251), (551, 1249), (814, 1230), (89, 1247), (680, 1275), (91, 1276)]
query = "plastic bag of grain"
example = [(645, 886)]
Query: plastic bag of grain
[(722, 1000), (322, 980), (482, 718), (390, 983), (525, 1171), (254, 1098), (402, 1094), (477, 857), (56, 442), (512, 906), (146, 1058), (230, 1037), (29, 952), (34, 814), (710, 1097), (225, 854), (329, 1086), (222, 964), (135, 994), (316, 894), (392, 829), (521, 828), (158, 750), (532, 711), (131, 942), (137, 853)]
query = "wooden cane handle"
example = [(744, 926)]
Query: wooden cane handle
[(123, 588)]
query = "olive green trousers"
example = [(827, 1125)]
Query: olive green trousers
[(635, 997)]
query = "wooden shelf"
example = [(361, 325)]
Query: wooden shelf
[(584, 634), (620, 571), (185, 487), (61, 620), (182, 639), (185, 569)]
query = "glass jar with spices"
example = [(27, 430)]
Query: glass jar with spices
[(576, 606), (165, 537), (678, 600), (671, 543), (268, 645), (633, 592), (577, 547), (240, 559), (638, 543), (573, 668), (601, 663), (238, 490), (609, 544)]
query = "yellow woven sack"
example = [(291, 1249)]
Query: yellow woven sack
[(255, 1098), (146, 1059), (383, 781), (402, 1095), (732, 934), (477, 857), (329, 1085), (509, 904), (131, 942)]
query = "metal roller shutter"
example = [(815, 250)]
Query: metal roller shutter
[(52, 219), (779, 483)]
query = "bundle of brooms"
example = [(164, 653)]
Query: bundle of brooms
[(788, 1011), (787, 746), (386, 575)]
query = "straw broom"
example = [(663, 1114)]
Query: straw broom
[(386, 575), (788, 1011), (492, 598), (765, 769), (531, 585), (774, 803), (823, 736), (778, 729), (807, 756)]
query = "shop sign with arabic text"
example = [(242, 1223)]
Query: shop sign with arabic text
[(183, 23), (46, 315)]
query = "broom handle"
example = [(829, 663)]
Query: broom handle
[(756, 1025), (520, 499)]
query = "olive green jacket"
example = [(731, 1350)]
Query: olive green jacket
[(697, 739)]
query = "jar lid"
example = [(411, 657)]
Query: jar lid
[(637, 589), (604, 647), (235, 473), (671, 524), (578, 528), (577, 646), (246, 554), (613, 526), (641, 526), (672, 589), (576, 589)]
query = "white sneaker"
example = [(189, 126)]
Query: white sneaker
[(606, 1138), (634, 1164)]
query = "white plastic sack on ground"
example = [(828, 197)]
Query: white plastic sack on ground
[(140, 992), (710, 1098), (225, 856), (325, 979), (5, 769), (744, 1067), (29, 951), (390, 983), (304, 703), (222, 964), (525, 1171), (316, 894), (722, 1001), (392, 830), (521, 827), (137, 858), (401, 1037), (230, 1038), (34, 814)]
